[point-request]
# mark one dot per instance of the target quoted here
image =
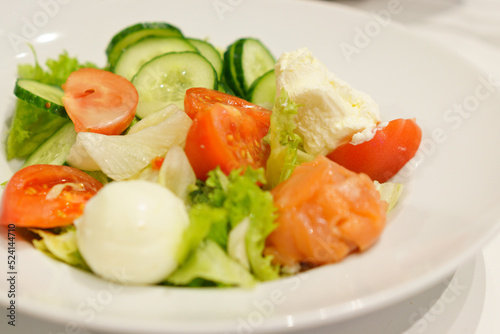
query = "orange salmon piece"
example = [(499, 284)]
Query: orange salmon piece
[(325, 213)]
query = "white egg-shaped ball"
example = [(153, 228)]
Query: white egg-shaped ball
[(130, 232)]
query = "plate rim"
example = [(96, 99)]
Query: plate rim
[(426, 281)]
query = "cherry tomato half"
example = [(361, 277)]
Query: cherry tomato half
[(385, 154), (99, 101), (30, 199)]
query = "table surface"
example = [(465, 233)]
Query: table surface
[(468, 301)]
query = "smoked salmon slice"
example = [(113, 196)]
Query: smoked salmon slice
[(325, 213)]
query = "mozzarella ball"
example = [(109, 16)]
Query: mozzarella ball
[(130, 232)]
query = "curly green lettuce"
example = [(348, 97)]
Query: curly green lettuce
[(217, 207), (285, 144)]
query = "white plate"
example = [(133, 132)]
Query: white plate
[(450, 207)]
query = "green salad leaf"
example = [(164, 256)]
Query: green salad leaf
[(31, 126), (58, 70), (217, 207), (389, 192), (202, 219), (284, 142), (210, 262), (245, 199), (60, 244)]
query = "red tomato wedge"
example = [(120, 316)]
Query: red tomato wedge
[(223, 135), (199, 99), (325, 212), (46, 196), (227, 131), (385, 154), (99, 101)]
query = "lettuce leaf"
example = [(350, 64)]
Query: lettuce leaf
[(227, 201), (210, 262), (31, 126), (236, 245), (202, 219), (284, 142), (245, 199), (389, 192), (58, 70), (99, 176), (60, 245)]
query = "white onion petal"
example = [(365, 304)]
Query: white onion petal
[(121, 157), (176, 172)]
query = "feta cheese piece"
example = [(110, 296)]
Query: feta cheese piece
[(130, 232), (330, 111)]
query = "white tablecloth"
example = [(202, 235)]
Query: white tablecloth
[(469, 301)]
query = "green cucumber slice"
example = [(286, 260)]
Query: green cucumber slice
[(165, 79), (208, 51), (223, 87), (133, 33), (251, 60), (55, 149), (229, 71), (142, 51), (41, 95), (263, 90)]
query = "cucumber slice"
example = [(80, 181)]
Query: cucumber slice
[(263, 90), (133, 33), (142, 51), (55, 149), (208, 51), (223, 87), (165, 79), (229, 72), (251, 60), (41, 95)]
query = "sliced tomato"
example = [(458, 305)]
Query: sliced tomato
[(223, 135), (385, 154), (99, 101), (46, 196), (199, 99), (325, 212)]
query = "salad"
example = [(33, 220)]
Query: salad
[(178, 164)]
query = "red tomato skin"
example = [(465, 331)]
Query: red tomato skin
[(24, 200), (227, 131), (223, 136), (99, 101), (198, 99), (385, 154)]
